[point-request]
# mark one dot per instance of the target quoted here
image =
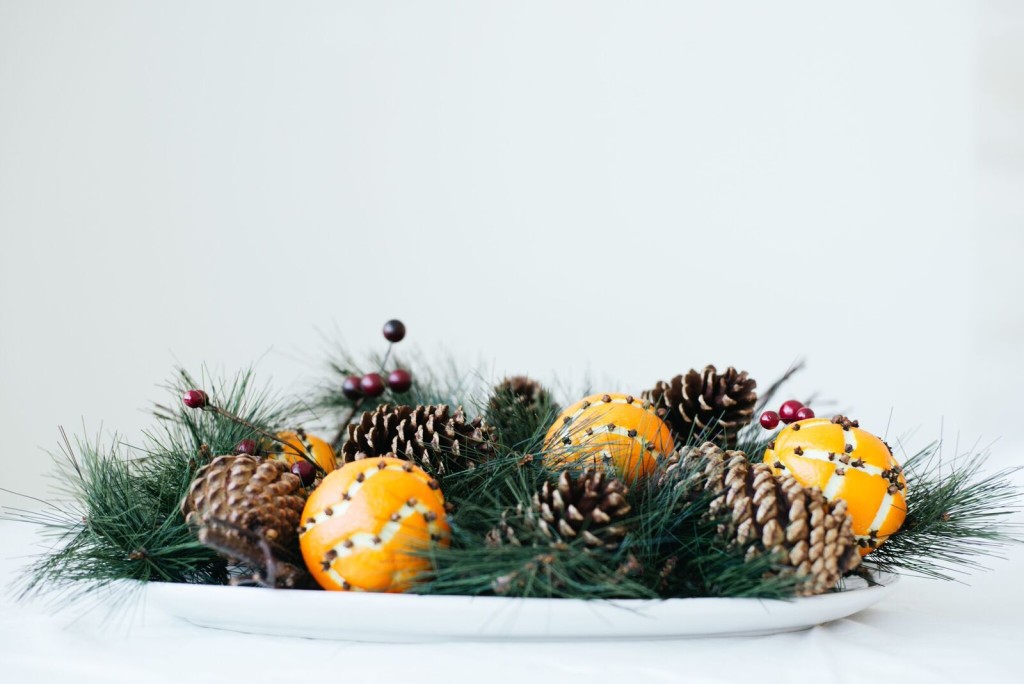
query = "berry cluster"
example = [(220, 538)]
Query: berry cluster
[(374, 384), (354, 388), (306, 468), (790, 412)]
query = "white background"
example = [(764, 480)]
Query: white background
[(625, 189), (620, 189)]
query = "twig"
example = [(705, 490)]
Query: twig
[(307, 456), (795, 368), (252, 549)]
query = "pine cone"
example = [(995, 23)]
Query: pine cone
[(259, 496), (249, 509), (520, 410), (526, 392), (706, 404), (432, 436), (768, 514), (588, 505)]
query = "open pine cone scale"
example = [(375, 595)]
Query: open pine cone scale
[(764, 513), (705, 404), (590, 506), (435, 437)]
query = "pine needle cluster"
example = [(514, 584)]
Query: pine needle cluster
[(116, 511), (672, 550), (957, 515)]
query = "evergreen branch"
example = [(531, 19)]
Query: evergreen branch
[(673, 550), (433, 384), (117, 511), (956, 515), (521, 426)]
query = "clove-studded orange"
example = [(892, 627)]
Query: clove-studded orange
[(362, 527), (847, 463), (301, 443), (618, 429)]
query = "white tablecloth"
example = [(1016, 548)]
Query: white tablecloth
[(929, 631)]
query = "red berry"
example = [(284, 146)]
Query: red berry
[(196, 399), (787, 412), (372, 385), (350, 388), (400, 380), (305, 471), (804, 413), (394, 330), (769, 420), (246, 446)]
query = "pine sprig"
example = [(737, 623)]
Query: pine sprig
[(521, 421), (569, 571), (673, 549), (115, 528), (433, 383), (472, 566), (116, 510), (957, 515), (677, 544), (183, 430)]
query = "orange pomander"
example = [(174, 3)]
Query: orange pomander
[(362, 526), (298, 443), (610, 428), (846, 463)]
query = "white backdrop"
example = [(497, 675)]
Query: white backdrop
[(626, 189)]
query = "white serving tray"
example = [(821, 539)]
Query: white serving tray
[(412, 618)]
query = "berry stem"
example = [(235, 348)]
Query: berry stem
[(387, 355), (308, 456)]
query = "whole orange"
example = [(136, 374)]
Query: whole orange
[(362, 526), (847, 463), (610, 428)]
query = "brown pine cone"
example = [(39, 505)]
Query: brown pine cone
[(249, 510), (588, 505), (520, 409), (764, 513), (440, 440), (705, 404), (249, 493), (525, 391)]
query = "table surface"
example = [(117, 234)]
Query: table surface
[(928, 631)]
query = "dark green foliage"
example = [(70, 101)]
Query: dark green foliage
[(181, 429), (122, 524), (681, 552), (433, 383), (956, 515), (673, 549), (521, 424), (118, 514)]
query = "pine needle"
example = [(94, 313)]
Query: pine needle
[(115, 515), (957, 516)]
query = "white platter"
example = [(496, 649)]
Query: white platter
[(411, 618)]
